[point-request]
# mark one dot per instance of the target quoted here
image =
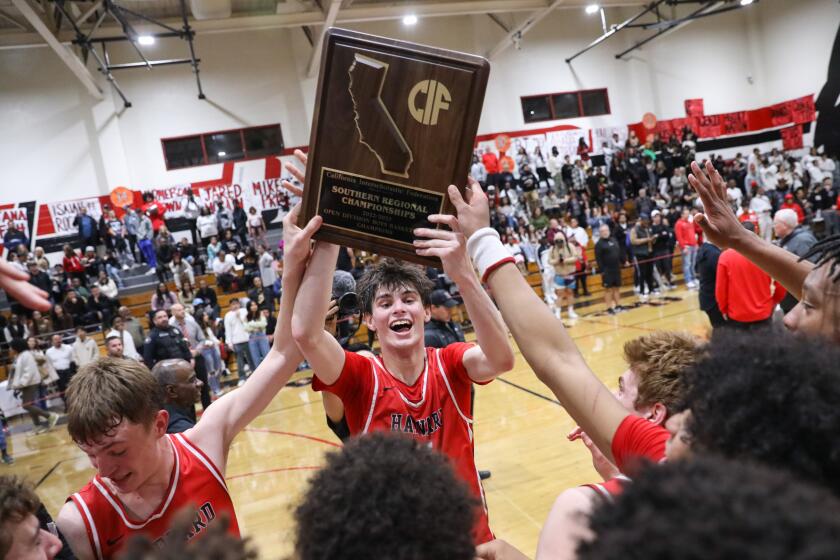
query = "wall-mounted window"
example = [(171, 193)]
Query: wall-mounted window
[(226, 145), (565, 105)]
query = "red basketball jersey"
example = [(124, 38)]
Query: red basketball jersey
[(195, 483), (435, 409)]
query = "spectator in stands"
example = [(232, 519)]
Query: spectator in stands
[(491, 165), (663, 237), (791, 204), (84, 348), (38, 277), (41, 259), (240, 222), (14, 238), (76, 307), (213, 248), (145, 237), (77, 286), (102, 306), (15, 328), (60, 319), (223, 268), (26, 529), (61, 357), (706, 263), (262, 295), (478, 172), (26, 376), (563, 259), (236, 337), (92, 263), (129, 349), (7, 460), (250, 265), (131, 223), (116, 240), (207, 226), (687, 240), (608, 258), (743, 291), (154, 210), (87, 228), (187, 297), (795, 238), (255, 325), (114, 346), (164, 341), (107, 286), (641, 237), (181, 390), (442, 512), (41, 324), (256, 227), (207, 294), (267, 264), (72, 264), (181, 270), (163, 298), (194, 335), (230, 244), (192, 210), (133, 326), (164, 252), (224, 218), (210, 351), (760, 204)]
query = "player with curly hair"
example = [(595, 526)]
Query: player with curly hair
[(770, 403), (711, 507), (386, 496)]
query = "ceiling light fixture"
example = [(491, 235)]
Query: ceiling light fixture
[(410, 19), (746, 2), (146, 40), (592, 9), (222, 154)]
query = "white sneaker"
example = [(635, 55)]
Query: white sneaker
[(150, 272), (572, 314), (656, 293), (643, 298), (557, 312), (125, 267)]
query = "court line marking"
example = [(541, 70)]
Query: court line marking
[(48, 473), (269, 471), (529, 391), (292, 434)]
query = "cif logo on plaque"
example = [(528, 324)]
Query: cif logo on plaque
[(437, 99)]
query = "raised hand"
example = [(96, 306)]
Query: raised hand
[(449, 246), (474, 212), (14, 283), (719, 223), (296, 241), (296, 173), (602, 465), (498, 550)]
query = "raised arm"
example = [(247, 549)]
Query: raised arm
[(543, 340), (722, 228), (493, 355), (320, 348), (230, 414)]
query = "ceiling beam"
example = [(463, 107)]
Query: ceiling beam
[(329, 20), (515, 35), (5, 17), (64, 53)]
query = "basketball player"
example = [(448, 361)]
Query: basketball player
[(144, 476), (412, 389)]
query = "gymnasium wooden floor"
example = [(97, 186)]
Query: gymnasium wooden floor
[(520, 437)]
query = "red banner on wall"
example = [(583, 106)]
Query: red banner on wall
[(709, 126), (792, 137), (734, 123)]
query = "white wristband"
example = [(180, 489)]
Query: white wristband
[(486, 251)]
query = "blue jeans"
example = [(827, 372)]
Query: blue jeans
[(258, 345), (213, 361), (689, 256)]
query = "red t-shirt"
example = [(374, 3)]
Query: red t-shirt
[(196, 483), (436, 409), (742, 290), (636, 439)]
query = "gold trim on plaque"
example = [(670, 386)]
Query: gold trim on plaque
[(374, 62)]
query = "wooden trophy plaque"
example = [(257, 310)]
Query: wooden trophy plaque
[(394, 126)]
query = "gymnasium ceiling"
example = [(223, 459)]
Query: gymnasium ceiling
[(16, 29)]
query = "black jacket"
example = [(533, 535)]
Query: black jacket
[(706, 266), (165, 344), (440, 335)]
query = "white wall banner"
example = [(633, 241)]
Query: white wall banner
[(63, 213)]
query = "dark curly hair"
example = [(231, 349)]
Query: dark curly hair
[(17, 501), (391, 273), (386, 496), (770, 397), (710, 507)]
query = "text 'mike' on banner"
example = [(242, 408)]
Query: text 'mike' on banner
[(394, 126)]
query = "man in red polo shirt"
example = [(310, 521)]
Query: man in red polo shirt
[(743, 291)]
